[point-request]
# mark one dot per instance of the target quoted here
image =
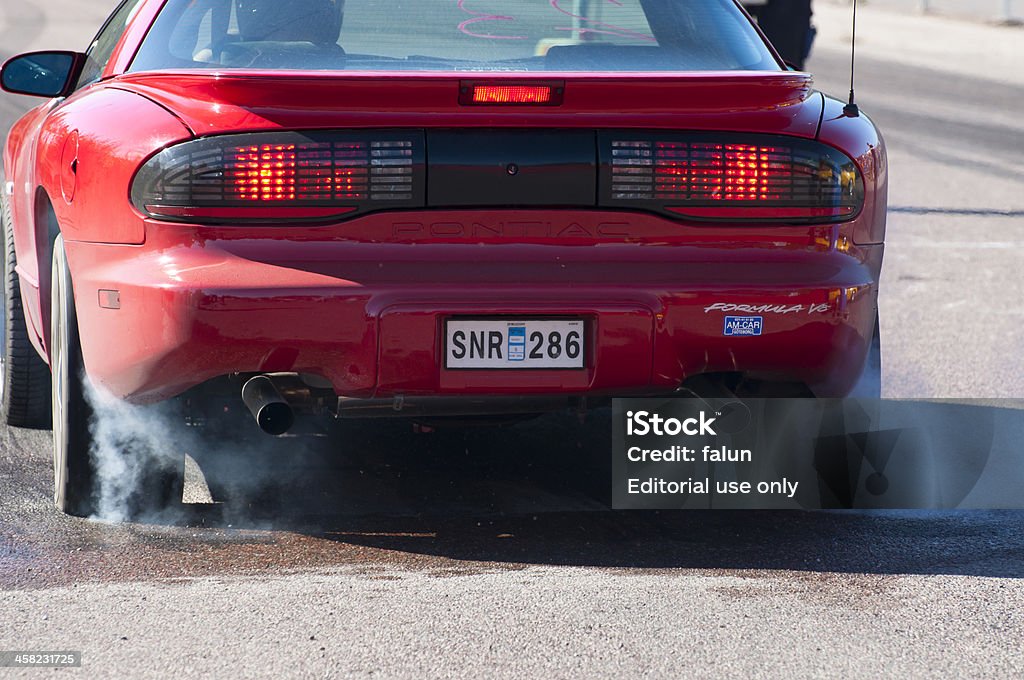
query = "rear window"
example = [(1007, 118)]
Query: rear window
[(454, 35)]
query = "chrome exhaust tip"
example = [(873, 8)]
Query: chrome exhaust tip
[(272, 412)]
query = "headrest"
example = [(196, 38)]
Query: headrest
[(315, 21)]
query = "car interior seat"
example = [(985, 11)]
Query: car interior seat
[(276, 34)]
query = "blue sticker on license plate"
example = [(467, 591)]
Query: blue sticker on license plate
[(743, 325), (517, 343)]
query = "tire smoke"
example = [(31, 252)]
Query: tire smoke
[(139, 460)]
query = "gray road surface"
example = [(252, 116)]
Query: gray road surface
[(490, 553), (979, 10)]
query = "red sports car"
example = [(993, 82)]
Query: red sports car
[(430, 208)]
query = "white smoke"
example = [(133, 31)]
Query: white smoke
[(129, 444)]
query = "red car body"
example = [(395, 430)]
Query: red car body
[(166, 306)]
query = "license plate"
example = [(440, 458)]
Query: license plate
[(514, 343)]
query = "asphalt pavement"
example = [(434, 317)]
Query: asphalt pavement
[(990, 11), (491, 552), (945, 94)]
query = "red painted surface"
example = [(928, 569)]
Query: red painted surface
[(362, 302), (862, 141), (774, 102), (116, 131)]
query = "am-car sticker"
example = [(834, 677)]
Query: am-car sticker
[(743, 325)]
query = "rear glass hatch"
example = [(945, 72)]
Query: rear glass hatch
[(526, 36)]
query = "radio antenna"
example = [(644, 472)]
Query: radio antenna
[(851, 109)]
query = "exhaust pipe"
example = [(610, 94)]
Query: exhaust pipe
[(272, 412)]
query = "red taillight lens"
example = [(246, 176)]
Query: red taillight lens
[(511, 94), (730, 177), (282, 176), (548, 93)]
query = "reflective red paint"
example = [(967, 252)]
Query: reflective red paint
[(747, 213), (256, 212)]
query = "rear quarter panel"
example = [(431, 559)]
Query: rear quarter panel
[(107, 133), (116, 131), (858, 137), (19, 169), (20, 153)]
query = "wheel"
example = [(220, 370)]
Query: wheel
[(122, 474), (73, 472), (24, 377)]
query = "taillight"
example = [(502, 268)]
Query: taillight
[(729, 177), (269, 177), (511, 94), (547, 93)]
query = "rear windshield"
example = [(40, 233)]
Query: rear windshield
[(454, 35)]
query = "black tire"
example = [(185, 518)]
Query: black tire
[(74, 488), (76, 485), (24, 376)]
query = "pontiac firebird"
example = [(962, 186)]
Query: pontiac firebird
[(434, 208)]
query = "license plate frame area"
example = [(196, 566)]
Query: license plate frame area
[(515, 343)]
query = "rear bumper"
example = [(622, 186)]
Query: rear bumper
[(368, 314)]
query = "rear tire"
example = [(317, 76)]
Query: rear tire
[(74, 489), (24, 376), (77, 488)]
